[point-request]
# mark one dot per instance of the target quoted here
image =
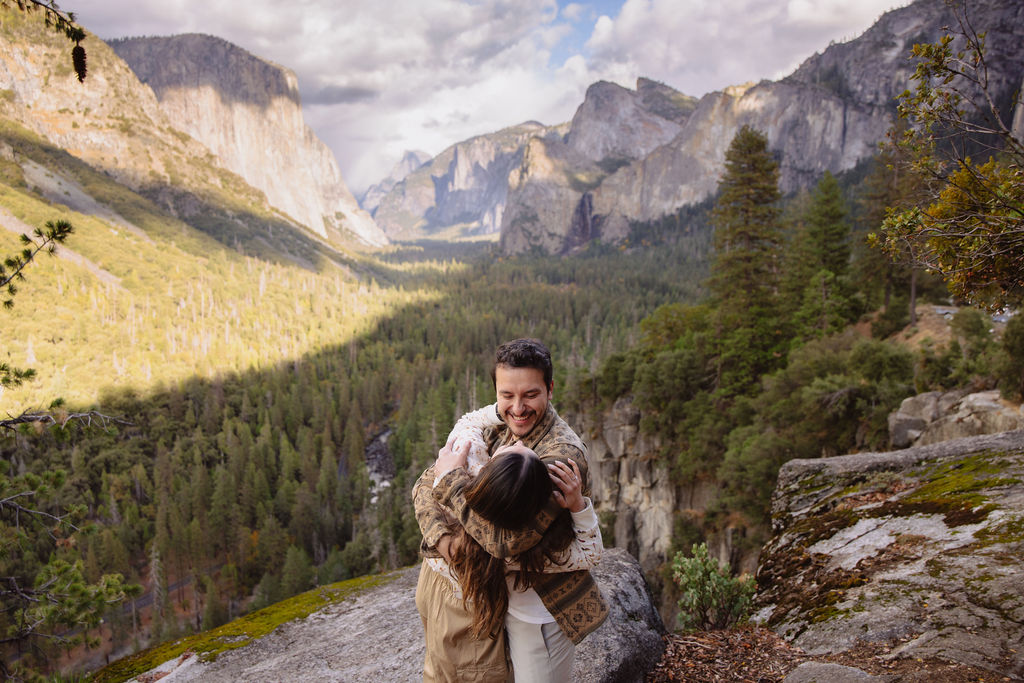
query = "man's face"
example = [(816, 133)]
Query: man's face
[(522, 397)]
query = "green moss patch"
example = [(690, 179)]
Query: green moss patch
[(801, 581), (818, 527), (240, 632), (963, 478), (1006, 532)]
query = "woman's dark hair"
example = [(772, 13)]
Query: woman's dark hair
[(509, 492), (524, 353), (511, 489)]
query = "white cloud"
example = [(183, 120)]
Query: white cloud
[(699, 46), (573, 11), (379, 78)]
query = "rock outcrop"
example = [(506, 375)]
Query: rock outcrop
[(377, 635), (246, 110), (638, 502), (919, 550), (616, 124), (940, 416)]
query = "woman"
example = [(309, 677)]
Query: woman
[(509, 491)]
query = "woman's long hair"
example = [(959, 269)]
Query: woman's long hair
[(509, 492)]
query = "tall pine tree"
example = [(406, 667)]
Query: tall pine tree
[(889, 185), (745, 272)]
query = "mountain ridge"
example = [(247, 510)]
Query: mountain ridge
[(828, 115)]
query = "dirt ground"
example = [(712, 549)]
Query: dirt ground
[(758, 655)]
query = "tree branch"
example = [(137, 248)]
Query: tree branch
[(87, 418)]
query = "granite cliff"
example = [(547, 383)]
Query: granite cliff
[(462, 191), (830, 114), (640, 503), (246, 110), (114, 125), (410, 161)]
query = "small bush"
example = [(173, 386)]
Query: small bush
[(710, 597), (893, 319)]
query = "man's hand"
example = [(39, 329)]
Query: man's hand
[(448, 460), (568, 485)]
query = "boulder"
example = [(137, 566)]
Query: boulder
[(940, 416), (823, 672), (629, 643)]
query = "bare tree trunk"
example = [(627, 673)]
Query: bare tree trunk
[(913, 296), (888, 290), (824, 307)]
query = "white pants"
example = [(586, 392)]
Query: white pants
[(540, 653)]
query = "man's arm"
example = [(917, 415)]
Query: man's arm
[(430, 516), (499, 542)]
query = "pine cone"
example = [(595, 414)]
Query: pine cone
[(78, 60)]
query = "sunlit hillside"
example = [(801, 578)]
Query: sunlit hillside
[(176, 267), (137, 297)]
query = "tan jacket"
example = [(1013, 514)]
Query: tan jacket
[(572, 598)]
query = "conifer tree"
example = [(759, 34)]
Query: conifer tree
[(215, 611), (159, 586), (818, 264), (827, 227), (297, 573), (745, 272), (890, 187)]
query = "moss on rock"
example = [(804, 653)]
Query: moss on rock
[(240, 632)]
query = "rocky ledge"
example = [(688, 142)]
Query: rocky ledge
[(375, 635), (920, 549)]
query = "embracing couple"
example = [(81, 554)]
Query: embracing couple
[(505, 592)]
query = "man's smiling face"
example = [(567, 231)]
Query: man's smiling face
[(522, 397)]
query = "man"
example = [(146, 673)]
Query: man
[(523, 383)]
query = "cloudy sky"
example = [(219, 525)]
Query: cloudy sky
[(384, 76)]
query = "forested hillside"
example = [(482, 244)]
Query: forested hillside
[(801, 349)]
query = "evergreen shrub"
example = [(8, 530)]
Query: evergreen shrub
[(711, 598), (894, 318)]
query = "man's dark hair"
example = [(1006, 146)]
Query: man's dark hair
[(523, 353)]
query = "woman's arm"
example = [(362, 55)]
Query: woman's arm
[(434, 523), (470, 429)]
